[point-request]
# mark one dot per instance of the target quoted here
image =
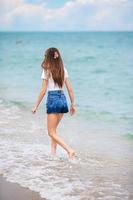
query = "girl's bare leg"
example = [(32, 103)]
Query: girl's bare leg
[(52, 121), (53, 142)]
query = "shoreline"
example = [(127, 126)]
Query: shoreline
[(16, 191)]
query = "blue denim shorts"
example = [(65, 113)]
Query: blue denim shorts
[(56, 102)]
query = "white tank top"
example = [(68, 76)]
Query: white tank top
[(51, 84)]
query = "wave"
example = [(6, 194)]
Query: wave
[(13, 103), (26, 160), (58, 178)]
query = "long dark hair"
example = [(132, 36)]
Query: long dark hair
[(53, 64)]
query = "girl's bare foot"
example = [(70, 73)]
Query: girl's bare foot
[(71, 154)]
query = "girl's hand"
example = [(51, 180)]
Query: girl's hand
[(34, 110), (72, 110)]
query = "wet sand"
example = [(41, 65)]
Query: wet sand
[(14, 191)]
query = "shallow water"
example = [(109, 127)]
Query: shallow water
[(102, 169), (100, 69)]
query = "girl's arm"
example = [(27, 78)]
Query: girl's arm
[(70, 90), (41, 94), (71, 95)]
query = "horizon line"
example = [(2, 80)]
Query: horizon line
[(58, 31)]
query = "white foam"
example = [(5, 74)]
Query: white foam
[(25, 159)]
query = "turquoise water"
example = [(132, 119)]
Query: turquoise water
[(100, 66)]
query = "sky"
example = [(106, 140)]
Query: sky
[(62, 15)]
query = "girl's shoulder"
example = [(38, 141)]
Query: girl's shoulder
[(66, 72), (65, 68), (45, 74)]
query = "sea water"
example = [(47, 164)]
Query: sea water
[(100, 69)]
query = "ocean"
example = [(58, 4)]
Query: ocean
[(100, 69)]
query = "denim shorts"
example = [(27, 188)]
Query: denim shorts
[(56, 102)]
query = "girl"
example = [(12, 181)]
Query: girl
[(55, 76)]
